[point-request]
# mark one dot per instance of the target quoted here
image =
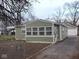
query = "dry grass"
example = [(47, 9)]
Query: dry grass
[(11, 48), (32, 48)]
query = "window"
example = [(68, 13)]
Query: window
[(28, 31), (23, 31), (48, 30), (48, 33), (35, 31), (41, 31)]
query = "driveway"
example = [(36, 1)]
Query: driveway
[(67, 49)]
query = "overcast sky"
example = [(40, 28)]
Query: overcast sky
[(45, 8)]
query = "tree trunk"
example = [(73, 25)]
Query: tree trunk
[(5, 32)]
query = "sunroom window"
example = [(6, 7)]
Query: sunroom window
[(48, 30), (23, 31), (41, 31), (28, 30), (35, 32)]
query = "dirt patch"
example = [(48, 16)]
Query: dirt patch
[(19, 49), (32, 48), (75, 56)]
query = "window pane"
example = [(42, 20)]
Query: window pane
[(48, 28), (41, 33), (23, 31), (28, 33), (34, 29), (41, 29), (34, 33), (23, 27), (28, 29), (48, 33)]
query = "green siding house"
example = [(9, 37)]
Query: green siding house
[(41, 31)]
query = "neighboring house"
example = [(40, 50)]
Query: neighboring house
[(11, 30), (72, 30), (41, 31), (1, 27)]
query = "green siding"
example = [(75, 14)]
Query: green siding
[(58, 32), (43, 39), (19, 35), (63, 32)]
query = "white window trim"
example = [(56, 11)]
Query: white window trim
[(38, 32)]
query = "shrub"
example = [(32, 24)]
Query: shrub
[(7, 37)]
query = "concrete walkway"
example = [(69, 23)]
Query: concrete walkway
[(67, 49)]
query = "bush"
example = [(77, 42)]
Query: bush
[(7, 37)]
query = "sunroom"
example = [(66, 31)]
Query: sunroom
[(43, 31)]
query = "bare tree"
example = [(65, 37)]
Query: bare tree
[(58, 15), (72, 12), (16, 7), (11, 11)]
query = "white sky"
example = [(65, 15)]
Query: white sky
[(45, 8)]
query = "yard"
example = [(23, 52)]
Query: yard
[(18, 49)]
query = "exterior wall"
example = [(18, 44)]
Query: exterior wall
[(63, 32), (19, 35), (56, 33), (40, 38)]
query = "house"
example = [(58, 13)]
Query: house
[(72, 30), (11, 30), (41, 31)]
